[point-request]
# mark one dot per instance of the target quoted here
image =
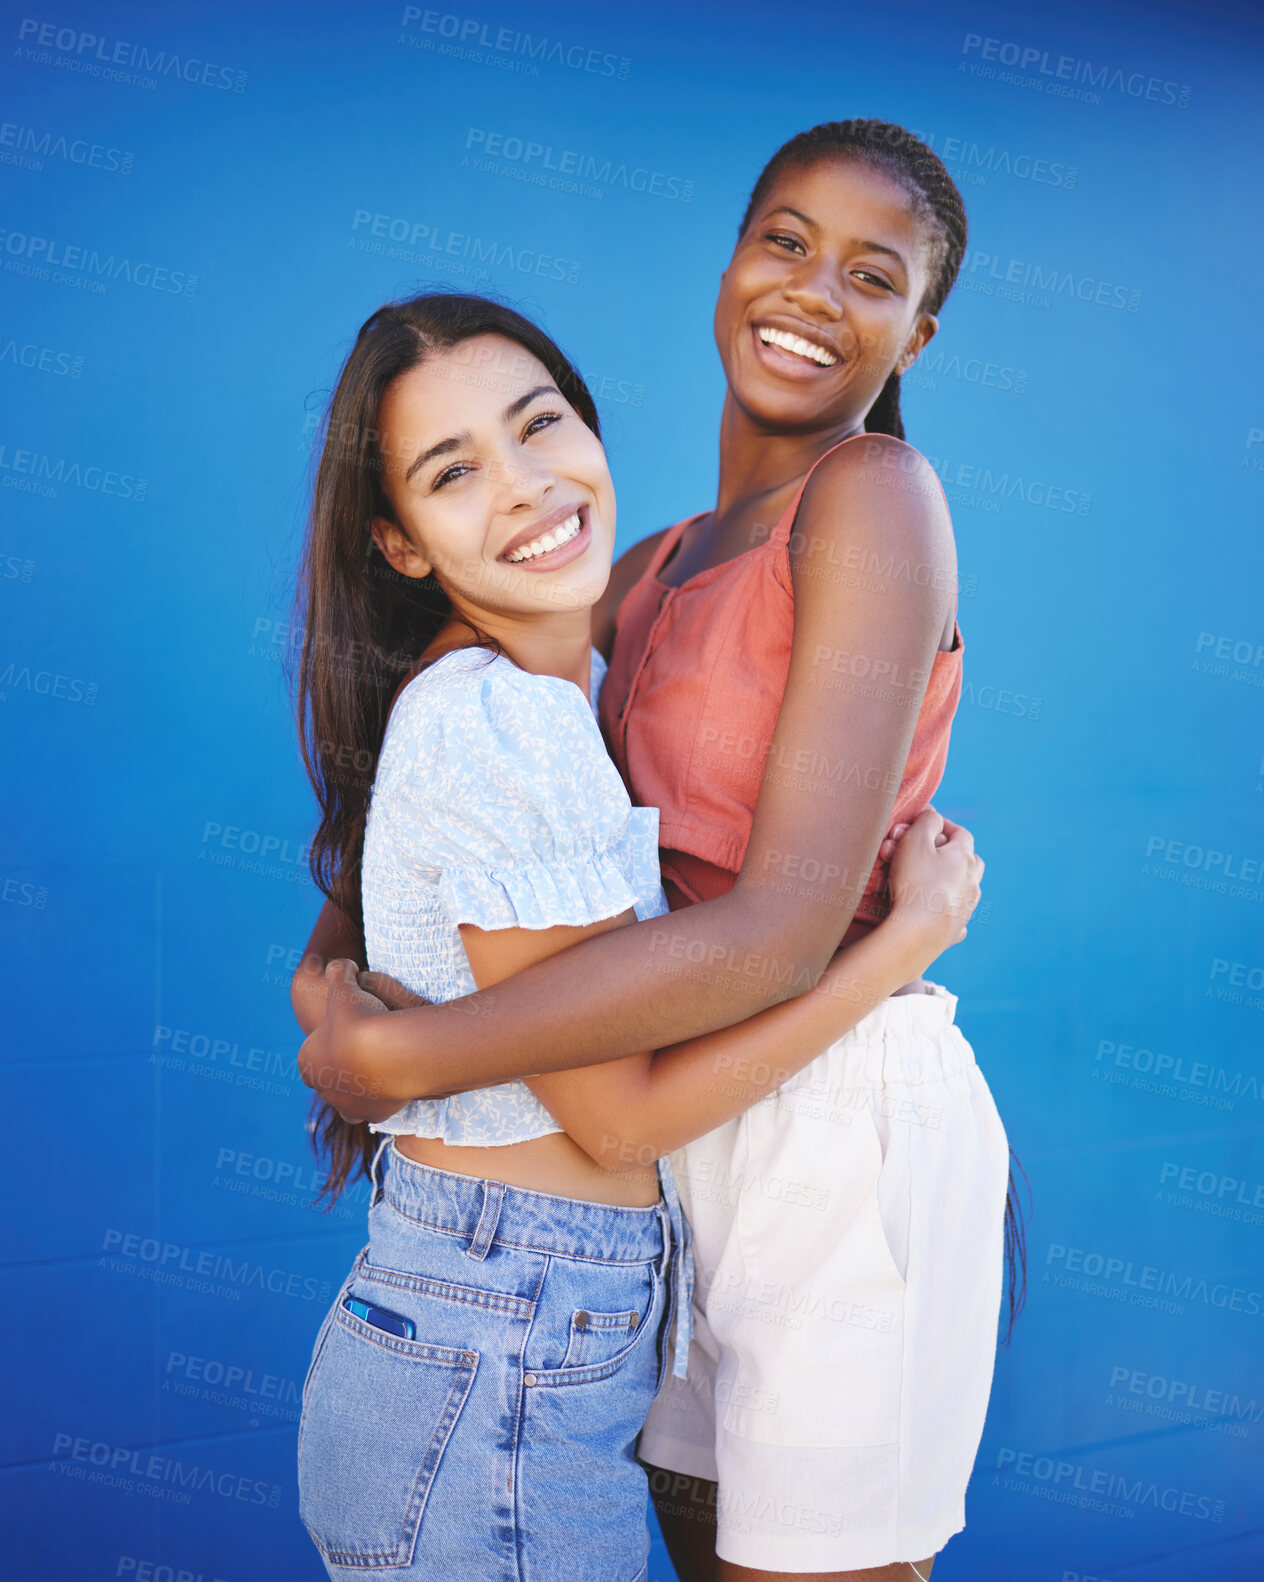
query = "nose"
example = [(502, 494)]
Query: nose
[(522, 482), (815, 289)]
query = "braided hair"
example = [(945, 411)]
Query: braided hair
[(936, 201), (938, 205)]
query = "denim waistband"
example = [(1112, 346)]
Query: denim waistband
[(489, 1212)]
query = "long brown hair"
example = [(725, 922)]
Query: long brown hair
[(364, 625)]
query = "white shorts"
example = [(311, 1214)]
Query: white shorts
[(848, 1243)]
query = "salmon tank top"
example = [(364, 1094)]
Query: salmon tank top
[(691, 701)]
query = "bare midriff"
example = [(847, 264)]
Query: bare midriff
[(552, 1164)]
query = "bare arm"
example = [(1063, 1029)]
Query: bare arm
[(627, 1113), (334, 937), (830, 782)]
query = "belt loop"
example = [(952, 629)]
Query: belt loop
[(378, 1190), (680, 1249), (485, 1232), (669, 1239)]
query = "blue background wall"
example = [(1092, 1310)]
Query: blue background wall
[(1093, 405)]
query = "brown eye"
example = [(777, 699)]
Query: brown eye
[(449, 475)]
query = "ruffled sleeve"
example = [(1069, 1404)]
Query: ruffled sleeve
[(503, 788)]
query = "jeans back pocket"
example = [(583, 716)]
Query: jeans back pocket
[(378, 1414)]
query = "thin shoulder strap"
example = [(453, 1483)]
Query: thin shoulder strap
[(667, 544), (781, 532)]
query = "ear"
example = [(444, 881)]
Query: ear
[(399, 551), (923, 332)]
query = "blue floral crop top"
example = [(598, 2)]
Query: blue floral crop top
[(495, 803)]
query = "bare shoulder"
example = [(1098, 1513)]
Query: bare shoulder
[(630, 566), (874, 521), (876, 490)]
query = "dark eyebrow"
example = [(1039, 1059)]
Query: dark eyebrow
[(784, 208), (455, 441), (869, 247), (881, 247)]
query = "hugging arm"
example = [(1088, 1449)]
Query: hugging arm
[(628, 1113), (829, 786), (335, 937)]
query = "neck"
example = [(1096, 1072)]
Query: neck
[(756, 461), (556, 643)]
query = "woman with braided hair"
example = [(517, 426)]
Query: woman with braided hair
[(784, 670)]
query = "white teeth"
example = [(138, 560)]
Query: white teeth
[(561, 534), (796, 343)]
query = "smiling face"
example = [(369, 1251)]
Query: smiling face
[(821, 300), (497, 484)]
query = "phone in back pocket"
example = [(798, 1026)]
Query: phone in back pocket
[(381, 1318)]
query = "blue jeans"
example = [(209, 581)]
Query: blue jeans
[(498, 1444)]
